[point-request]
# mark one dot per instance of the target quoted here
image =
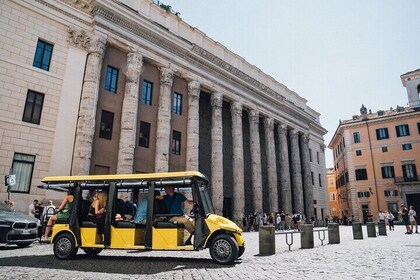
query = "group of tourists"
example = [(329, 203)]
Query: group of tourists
[(280, 221), (409, 218), (170, 203)]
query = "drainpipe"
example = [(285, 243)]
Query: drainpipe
[(373, 166)]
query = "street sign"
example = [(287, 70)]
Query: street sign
[(11, 180)]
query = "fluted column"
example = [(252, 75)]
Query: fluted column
[(271, 165), (238, 163), (87, 111), (163, 130), (254, 128), (285, 184), (193, 125), (296, 172), (307, 184), (129, 114), (217, 152)]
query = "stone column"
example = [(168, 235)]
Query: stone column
[(296, 172), (285, 184), (217, 152), (193, 125), (307, 182), (85, 129), (254, 123), (271, 165), (163, 130), (129, 114), (238, 163)]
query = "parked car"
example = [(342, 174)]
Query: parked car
[(17, 228)]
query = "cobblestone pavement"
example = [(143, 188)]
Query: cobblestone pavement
[(395, 256)]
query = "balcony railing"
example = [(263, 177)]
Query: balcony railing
[(399, 180)]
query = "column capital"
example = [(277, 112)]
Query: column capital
[(194, 88), (282, 128), (254, 116), (269, 123), (166, 76), (134, 66), (236, 108), (294, 132), (305, 138), (97, 44), (217, 99), (78, 38)]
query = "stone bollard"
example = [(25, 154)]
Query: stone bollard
[(333, 233), (267, 240), (307, 236), (382, 228), (371, 229), (357, 230)]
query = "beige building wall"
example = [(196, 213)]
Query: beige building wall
[(21, 27)]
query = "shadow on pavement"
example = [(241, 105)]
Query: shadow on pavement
[(111, 264)]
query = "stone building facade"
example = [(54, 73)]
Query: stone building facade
[(376, 157), (130, 87)]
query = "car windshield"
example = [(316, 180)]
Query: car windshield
[(4, 207), (205, 197)]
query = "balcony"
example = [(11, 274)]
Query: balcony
[(400, 180)]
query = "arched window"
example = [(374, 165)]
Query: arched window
[(418, 89)]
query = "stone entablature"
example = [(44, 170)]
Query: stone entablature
[(212, 52)]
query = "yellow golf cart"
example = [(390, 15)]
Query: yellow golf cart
[(222, 236)]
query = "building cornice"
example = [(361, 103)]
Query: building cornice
[(402, 116)]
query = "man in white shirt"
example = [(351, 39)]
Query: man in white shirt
[(31, 208)]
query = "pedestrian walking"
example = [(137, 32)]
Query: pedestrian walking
[(412, 215), (390, 217)]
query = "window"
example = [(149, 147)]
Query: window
[(310, 155), (178, 103), (312, 178), (33, 107), (382, 133), (384, 149), (146, 94), (176, 142), (356, 137), (418, 127), (331, 181), (111, 79), (23, 166), (43, 54), (319, 179), (402, 130), (332, 196), (363, 194), (317, 157), (144, 134), (105, 129), (358, 152), (409, 172), (361, 174), (390, 193), (387, 172), (406, 147)]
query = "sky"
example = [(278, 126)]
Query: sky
[(336, 54)]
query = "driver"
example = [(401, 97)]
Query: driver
[(173, 202)]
